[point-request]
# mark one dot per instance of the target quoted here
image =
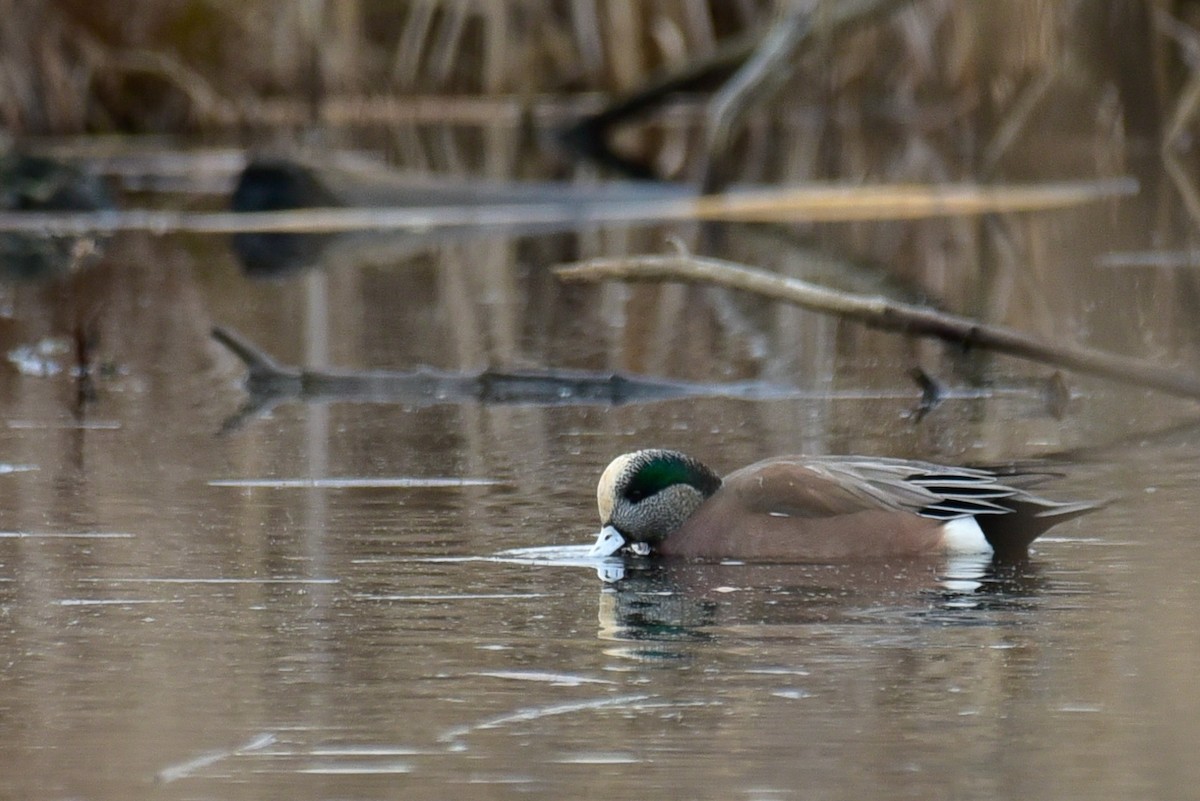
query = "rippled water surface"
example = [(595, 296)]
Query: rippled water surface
[(205, 594), (379, 600)]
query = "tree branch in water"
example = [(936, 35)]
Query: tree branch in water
[(879, 312)]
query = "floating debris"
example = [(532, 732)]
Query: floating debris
[(40, 359)]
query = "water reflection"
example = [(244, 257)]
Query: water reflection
[(32, 183), (278, 184), (665, 601), (357, 600), (305, 600)]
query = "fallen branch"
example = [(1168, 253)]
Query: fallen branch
[(879, 312), (269, 382)]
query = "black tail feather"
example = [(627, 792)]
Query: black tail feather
[(1012, 534)]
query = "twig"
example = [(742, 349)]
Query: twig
[(757, 81), (771, 65), (1183, 180), (882, 313), (588, 136), (762, 62), (206, 102), (1020, 112), (1189, 96)]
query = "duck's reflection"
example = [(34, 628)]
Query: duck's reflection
[(665, 601)]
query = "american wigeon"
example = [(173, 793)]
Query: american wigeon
[(817, 509)]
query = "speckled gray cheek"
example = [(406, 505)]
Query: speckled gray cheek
[(657, 516)]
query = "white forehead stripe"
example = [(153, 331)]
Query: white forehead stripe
[(606, 490)]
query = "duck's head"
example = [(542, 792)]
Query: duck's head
[(646, 495)]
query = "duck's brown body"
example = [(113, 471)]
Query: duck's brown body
[(781, 509), (821, 509)]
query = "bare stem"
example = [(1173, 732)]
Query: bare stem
[(879, 312)]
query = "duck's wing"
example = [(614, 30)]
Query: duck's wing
[(841, 484), (927, 489), (1010, 515)]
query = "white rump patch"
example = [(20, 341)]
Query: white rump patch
[(963, 535)]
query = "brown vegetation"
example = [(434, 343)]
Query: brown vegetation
[(167, 65), (175, 65)]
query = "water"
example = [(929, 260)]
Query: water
[(325, 602), (205, 598)]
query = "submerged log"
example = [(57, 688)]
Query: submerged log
[(269, 383)]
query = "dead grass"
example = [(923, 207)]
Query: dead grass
[(178, 65)]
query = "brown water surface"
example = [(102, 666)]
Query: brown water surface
[(385, 600)]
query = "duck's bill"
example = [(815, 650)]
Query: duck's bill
[(608, 542)]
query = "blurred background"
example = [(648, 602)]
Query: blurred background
[(217, 586)]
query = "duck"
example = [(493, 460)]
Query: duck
[(818, 509)]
